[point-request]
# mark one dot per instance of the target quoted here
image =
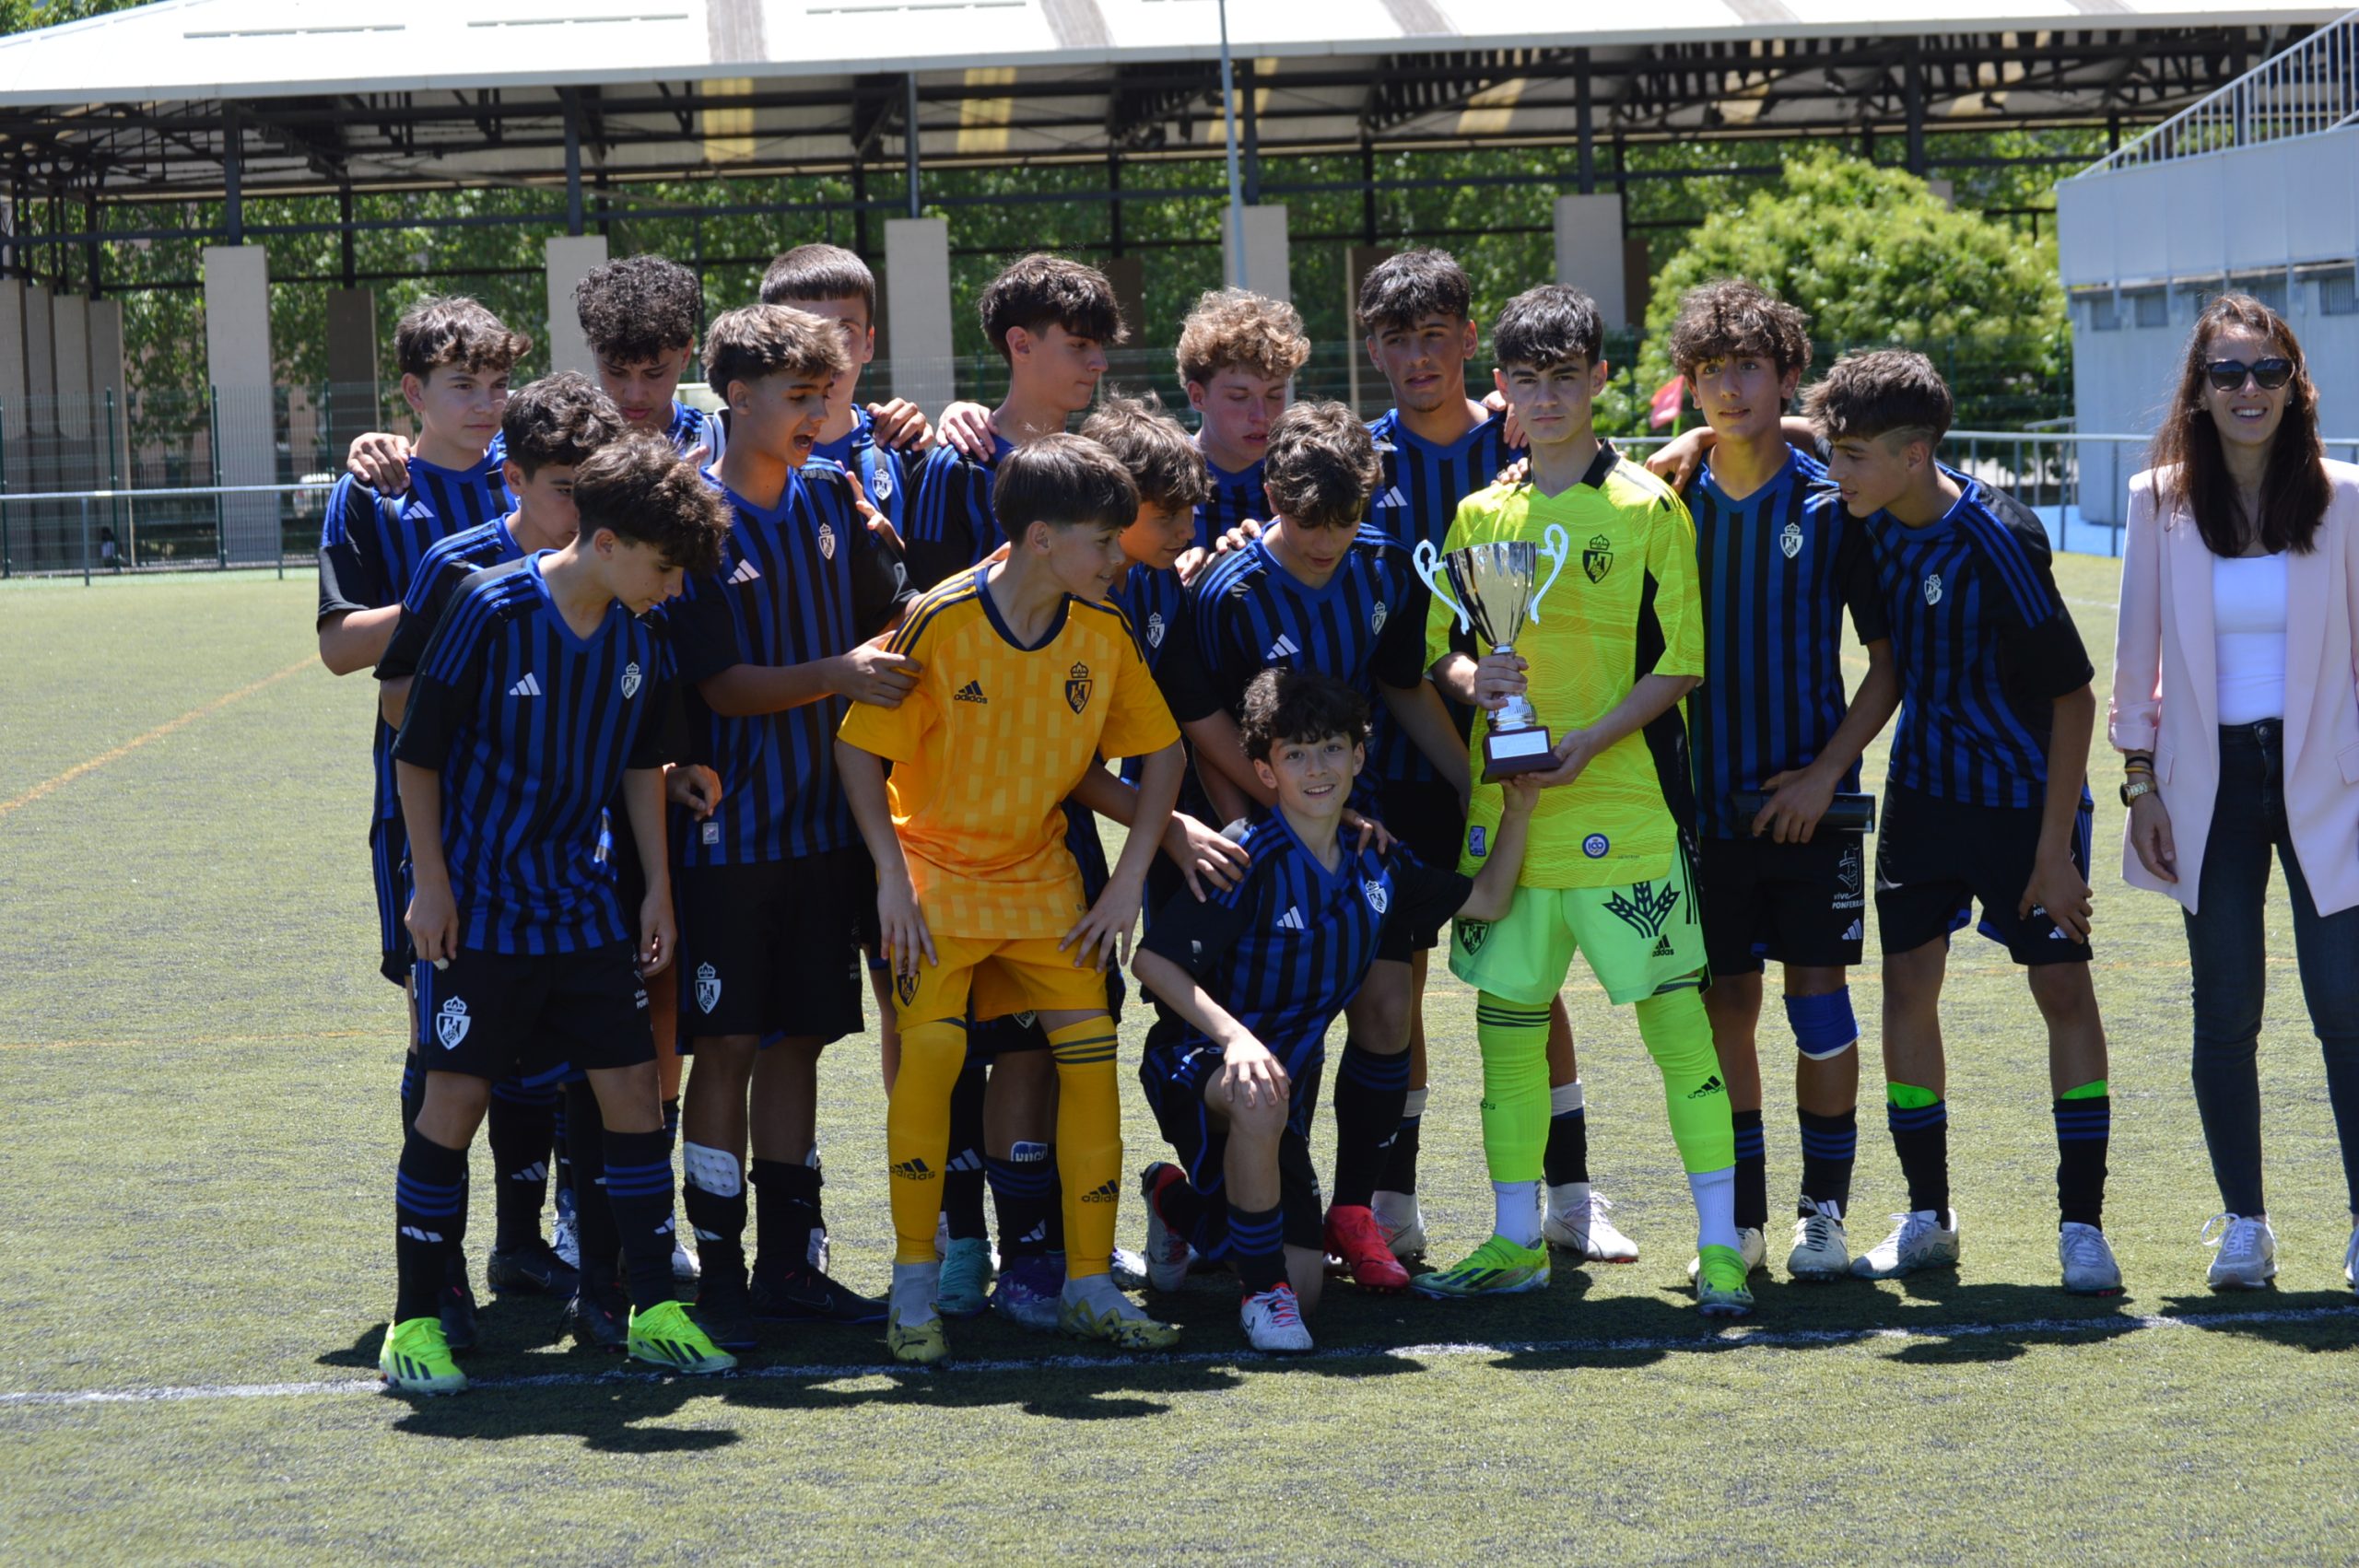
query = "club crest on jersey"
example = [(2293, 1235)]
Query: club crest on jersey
[(1473, 934), (1596, 845), (1933, 589), (630, 680), (827, 541), (1478, 841), (1154, 630), (1376, 618), (905, 988), (1597, 558), (451, 1023), (1791, 540), (1077, 685), (1378, 898), (883, 481), (708, 988)]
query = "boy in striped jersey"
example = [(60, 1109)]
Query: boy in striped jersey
[(774, 888), (1252, 977), (1779, 562), (455, 359), (1238, 352), (1319, 590), (538, 700), (979, 901), (1986, 797), (1619, 645)]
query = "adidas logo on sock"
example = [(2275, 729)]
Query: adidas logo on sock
[(416, 1234), (1709, 1086), (744, 572), (915, 1170), (972, 692), (1107, 1192), (529, 687), (538, 1171), (1292, 919), (966, 1160), (1284, 648)]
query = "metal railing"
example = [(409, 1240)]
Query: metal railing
[(2305, 90)]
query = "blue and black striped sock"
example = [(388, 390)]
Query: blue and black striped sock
[(430, 1222), (1830, 1148), (1920, 1120), (1370, 1091), (1022, 1191), (1752, 1171), (520, 1126), (2083, 1135), (638, 1189), (1257, 1245)]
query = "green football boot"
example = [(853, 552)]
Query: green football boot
[(666, 1336), (1498, 1267), (1720, 1288), (417, 1359)]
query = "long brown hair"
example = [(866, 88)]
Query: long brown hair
[(2293, 489)]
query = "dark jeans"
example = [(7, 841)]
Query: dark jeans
[(2224, 943)]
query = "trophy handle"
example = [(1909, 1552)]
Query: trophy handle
[(1558, 548), (1429, 572)]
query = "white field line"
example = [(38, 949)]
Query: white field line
[(1730, 1339)]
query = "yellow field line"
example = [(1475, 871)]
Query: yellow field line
[(158, 733)]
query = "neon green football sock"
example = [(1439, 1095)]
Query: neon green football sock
[(1679, 1036), (1514, 1042)]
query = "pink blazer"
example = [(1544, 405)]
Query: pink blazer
[(2165, 689)]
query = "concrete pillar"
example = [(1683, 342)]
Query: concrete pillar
[(1128, 274), (1267, 264), (16, 462), (1359, 375), (352, 387), (237, 360), (1589, 254), (41, 369), (111, 439), (917, 276), (69, 327), (36, 543), (570, 257)]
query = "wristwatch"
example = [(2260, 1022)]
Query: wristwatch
[(2135, 786)]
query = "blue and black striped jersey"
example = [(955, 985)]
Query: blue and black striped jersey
[(1777, 570), (1365, 627), (530, 726), (1156, 605), (448, 564), (689, 428), (1286, 950), (885, 475), (1422, 483), (370, 547), (802, 580), (1984, 645), (1235, 498), (951, 525)]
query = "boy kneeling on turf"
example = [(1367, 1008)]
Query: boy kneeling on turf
[(538, 700), (1255, 973), (1026, 675)]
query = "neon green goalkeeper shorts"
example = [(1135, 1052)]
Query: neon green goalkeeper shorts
[(1639, 939)]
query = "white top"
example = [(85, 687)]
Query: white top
[(2248, 632)]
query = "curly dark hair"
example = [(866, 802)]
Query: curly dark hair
[(1162, 461), (1880, 392), (1284, 705), (1062, 481), (637, 308), (1234, 326), (647, 493), (2294, 490), (1400, 291), (1322, 465), (559, 419), (1041, 291), (1553, 324), (1730, 317), (753, 341), (452, 330)]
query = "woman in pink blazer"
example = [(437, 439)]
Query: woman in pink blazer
[(2235, 703)]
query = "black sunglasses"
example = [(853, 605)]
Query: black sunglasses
[(2227, 375)]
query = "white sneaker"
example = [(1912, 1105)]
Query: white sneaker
[(2087, 1258), (1749, 1243), (684, 1268), (1576, 1220), (1168, 1252), (1272, 1321), (1401, 1221), (2247, 1258), (1918, 1240), (1822, 1247), (565, 1237)]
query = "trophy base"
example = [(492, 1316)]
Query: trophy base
[(1509, 752)]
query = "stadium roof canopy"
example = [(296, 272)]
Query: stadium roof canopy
[(329, 95)]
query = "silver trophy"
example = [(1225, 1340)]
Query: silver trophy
[(1499, 590)]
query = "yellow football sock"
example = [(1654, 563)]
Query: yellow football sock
[(1679, 1036), (917, 1131), (1514, 1043), (1089, 1142)]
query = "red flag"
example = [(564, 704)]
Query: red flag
[(1666, 402)]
